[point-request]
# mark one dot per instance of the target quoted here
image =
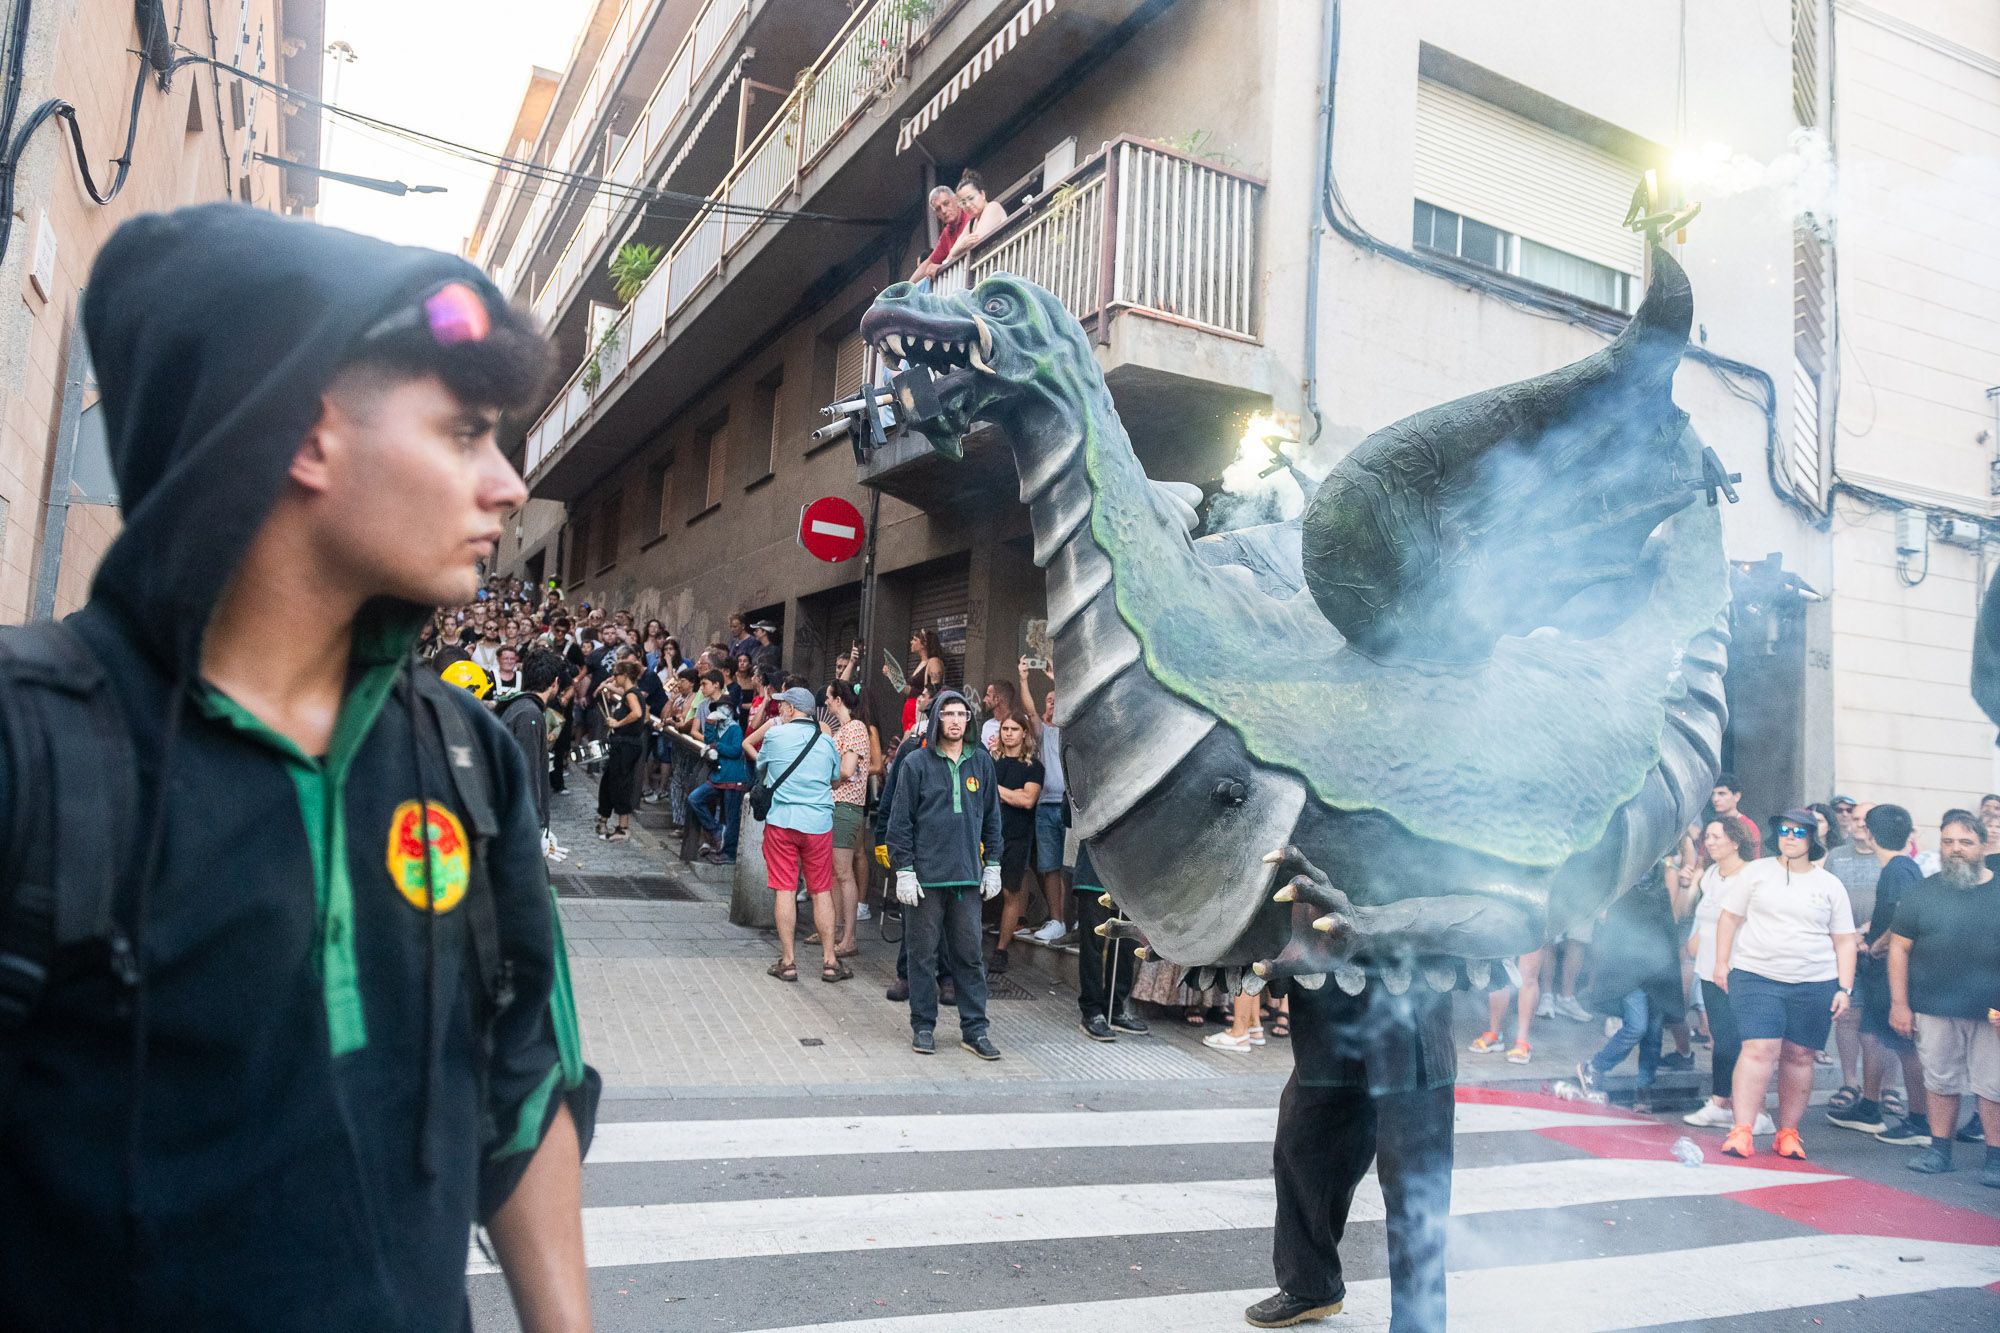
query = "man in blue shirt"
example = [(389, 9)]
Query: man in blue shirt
[(800, 762)]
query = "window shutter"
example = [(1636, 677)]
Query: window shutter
[(849, 364), (1512, 173)]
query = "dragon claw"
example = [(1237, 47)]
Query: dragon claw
[(1349, 978), (1142, 953), (1118, 928), (1104, 901), (1311, 980), (1284, 895)]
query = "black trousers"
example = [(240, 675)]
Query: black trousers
[(621, 772), (1728, 1042), (1104, 968), (1326, 1139)]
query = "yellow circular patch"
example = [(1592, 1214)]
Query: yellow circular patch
[(972, 784), (450, 856)]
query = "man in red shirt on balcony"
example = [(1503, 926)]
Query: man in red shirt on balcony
[(952, 222)]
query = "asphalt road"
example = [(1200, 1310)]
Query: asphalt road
[(1031, 1209)]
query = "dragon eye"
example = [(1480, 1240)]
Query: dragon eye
[(997, 305)]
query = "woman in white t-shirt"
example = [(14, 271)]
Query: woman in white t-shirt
[(1784, 951), (1729, 848)]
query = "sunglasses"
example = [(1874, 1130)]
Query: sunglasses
[(1794, 831), (452, 313)]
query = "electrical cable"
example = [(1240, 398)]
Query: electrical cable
[(17, 45), (1548, 304), (699, 206)]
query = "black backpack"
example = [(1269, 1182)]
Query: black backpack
[(65, 733)]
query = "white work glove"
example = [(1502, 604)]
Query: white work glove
[(908, 892), (989, 883), (709, 754)]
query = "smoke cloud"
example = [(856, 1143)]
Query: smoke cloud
[(1268, 482), (1801, 178)]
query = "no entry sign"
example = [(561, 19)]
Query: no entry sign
[(831, 529)]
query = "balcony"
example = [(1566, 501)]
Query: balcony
[(831, 146), (1156, 254)]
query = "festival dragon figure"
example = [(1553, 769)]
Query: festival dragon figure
[(1470, 696)]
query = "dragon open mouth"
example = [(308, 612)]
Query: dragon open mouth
[(955, 349)]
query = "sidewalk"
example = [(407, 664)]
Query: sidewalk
[(674, 1000)]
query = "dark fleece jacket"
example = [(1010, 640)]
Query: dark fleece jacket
[(944, 811), (278, 1127)]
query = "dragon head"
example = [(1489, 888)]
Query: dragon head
[(1004, 341)]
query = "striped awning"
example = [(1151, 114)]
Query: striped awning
[(982, 60), (715, 104)]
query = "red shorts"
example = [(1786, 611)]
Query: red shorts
[(785, 848)]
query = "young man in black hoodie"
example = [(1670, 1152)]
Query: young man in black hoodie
[(339, 1028), (944, 846)]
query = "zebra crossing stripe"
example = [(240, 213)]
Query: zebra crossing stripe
[(638, 1234), (1575, 1296), (836, 1136)]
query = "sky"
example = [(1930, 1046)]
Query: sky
[(454, 68)]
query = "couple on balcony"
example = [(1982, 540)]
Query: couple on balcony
[(965, 218)]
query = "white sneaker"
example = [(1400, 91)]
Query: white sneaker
[(1711, 1116), (1764, 1125), (1222, 1041), (1049, 932), (1547, 1008), (1567, 1006), (861, 913)]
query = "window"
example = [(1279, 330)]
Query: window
[(849, 364), (768, 424), (657, 498), (579, 550), (708, 464), (237, 117), (1497, 189), (606, 528), (1475, 242)]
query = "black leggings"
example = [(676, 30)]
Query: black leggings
[(621, 769), (1722, 1027)]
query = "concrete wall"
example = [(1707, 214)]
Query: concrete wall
[(83, 52), (1919, 151)]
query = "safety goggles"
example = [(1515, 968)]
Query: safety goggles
[(1795, 831), (452, 313)]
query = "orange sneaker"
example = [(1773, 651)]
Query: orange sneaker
[(1738, 1143), (1790, 1145)]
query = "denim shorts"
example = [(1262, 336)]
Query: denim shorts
[(1048, 837), (1801, 1012)]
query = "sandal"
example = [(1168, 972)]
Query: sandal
[(1281, 1025), (1843, 1100), (835, 971), (1194, 1018), (849, 952), (783, 971)]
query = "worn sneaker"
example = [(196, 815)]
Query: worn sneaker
[(948, 994), (980, 1046), (997, 964), (1738, 1143), (1586, 1076), (861, 912), (1520, 1053), (1547, 1008), (923, 1043), (1972, 1131), (1127, 1021), (1567, 1006), (1283, 1310), (1678, 1060), (1909, 1132), (1861, 1114), (1487, 1043), (1931, 1161), (1765, 1125), (1049, 932), (1097, 1029), (1789, 1144), (1989, 1175), (1710, 1116), (898, 992)]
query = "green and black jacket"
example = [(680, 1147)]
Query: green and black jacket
[(944, 816), (276, 1127)]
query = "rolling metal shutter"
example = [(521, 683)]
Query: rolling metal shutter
[(849, 364), (1512, 173)]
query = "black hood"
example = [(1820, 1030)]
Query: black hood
[(931, 728), (213, 332)]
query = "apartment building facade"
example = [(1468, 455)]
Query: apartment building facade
[(203, 136), (1454, 223)]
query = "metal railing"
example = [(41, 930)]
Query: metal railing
[(663, 115), (856, 67), (1134, 227)]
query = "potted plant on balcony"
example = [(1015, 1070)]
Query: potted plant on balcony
[(629, 268)]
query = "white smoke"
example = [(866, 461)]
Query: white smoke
[(1259, 485), (1801, 178)]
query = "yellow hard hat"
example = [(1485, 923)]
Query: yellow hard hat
[(470, 677)]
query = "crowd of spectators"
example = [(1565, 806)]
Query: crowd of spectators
[(1848, 932)]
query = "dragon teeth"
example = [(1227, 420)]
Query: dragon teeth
[(978, 360), (894, 342)]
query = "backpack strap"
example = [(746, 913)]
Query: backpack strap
[(64, 733), (467, 767)]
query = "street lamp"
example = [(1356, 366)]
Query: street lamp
[(340, 53)]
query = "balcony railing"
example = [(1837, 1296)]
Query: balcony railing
[(664, 114), (1134, 227), (855, 68)]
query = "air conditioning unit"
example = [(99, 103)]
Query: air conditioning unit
[(1961, 532)]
